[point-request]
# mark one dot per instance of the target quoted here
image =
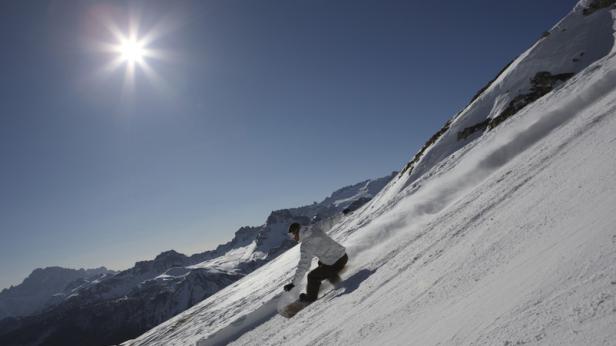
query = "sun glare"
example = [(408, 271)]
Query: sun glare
[(131, 51)]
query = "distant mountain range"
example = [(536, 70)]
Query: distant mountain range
[(101, 307), (45, 287)]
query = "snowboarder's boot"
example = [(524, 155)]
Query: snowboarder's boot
[(334, 279), (303, 297)]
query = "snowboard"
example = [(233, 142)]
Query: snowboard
[(293, 308), (289, 310)]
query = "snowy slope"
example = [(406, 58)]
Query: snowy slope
[(504, 237)]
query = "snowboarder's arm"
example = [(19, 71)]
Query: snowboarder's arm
[(305, 260)]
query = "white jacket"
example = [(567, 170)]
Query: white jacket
[(315, 243)]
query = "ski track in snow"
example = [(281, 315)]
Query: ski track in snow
[(510, 241)]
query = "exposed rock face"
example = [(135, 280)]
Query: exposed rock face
[(542, 83), (356, 205), (435, 137), (595, 5)]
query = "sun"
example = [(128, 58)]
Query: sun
[(132, 50)]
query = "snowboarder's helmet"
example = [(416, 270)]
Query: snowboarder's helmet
[(294, 227)]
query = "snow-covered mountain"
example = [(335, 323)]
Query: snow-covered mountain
[(117, 307), (500, 231), (253, 246), (45, 287)]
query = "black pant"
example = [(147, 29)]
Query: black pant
[(324, 272)]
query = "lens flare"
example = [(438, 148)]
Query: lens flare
[(131, 48)]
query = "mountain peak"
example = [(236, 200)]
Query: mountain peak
[(169, 255)]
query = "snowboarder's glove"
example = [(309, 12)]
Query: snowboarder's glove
[(288, 287)]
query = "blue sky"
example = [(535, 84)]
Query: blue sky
[(259, 105)]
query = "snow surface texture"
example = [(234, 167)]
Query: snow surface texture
[(509, 239)]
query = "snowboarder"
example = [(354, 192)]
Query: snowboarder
[(315, 243)]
